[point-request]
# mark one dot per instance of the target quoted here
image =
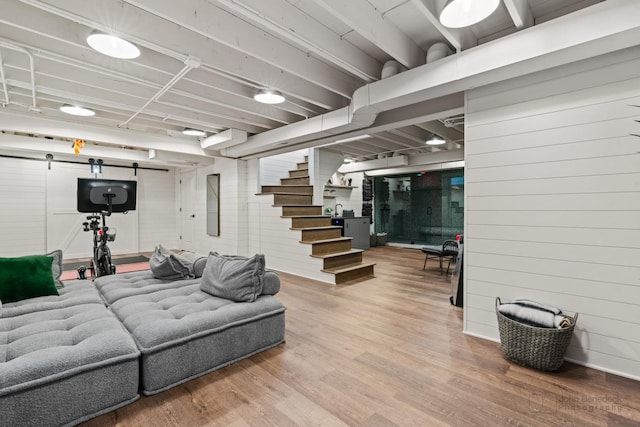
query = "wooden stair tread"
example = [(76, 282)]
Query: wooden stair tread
[(284, 193), (289, 186), (297, 205), (351, 267), (337, 239), (320, 227), (305, 216), (338, 254)]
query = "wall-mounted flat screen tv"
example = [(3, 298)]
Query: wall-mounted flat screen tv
[(95, 195)]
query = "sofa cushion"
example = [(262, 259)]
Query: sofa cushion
[(26, 277), (235, 278), (75, 292), (165, 264), (118, 286)]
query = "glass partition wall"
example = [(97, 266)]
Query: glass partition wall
[(420, 208)]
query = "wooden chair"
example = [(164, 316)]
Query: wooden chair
[(448, 251)]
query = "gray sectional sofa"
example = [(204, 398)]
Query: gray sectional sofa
[(92, 349)]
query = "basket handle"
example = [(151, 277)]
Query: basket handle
[(498, 302)]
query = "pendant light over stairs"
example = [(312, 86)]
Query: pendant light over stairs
[(295, 197)]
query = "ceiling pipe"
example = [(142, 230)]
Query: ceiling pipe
[(572, 38), (4, 83), (32, 71), (190, 63)]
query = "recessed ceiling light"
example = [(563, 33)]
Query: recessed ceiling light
[(113, 46), (74, 110), (463, 13), (193, 132), (269, 96), (435, 140)]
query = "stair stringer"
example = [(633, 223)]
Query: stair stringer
[(281, 246)]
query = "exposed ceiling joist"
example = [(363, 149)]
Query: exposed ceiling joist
[(366, 20), (520, 13)]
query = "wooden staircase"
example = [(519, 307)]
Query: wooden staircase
[(295, 196)]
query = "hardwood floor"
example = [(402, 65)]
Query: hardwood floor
[(383, 352)]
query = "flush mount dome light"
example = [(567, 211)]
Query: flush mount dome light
[(463, 13), (435, 140), (113, 46), (269, 96), (74, 110), (193, 132)]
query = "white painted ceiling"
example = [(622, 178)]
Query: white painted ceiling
[(202, 61)]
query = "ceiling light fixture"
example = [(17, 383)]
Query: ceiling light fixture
[(193, 132), (113, 46), (435, 140), (269, 96), (75, 110), (463, 13)]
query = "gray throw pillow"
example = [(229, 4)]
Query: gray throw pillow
[(271, 283), (198, 262), (56, 267), (164, 264), (235, 278)]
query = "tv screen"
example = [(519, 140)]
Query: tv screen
[(94, 195)]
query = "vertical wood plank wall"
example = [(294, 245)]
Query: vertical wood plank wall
[(553, 203)]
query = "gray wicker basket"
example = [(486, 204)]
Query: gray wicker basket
[(538, 348)]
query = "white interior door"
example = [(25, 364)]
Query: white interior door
[(187, 210)]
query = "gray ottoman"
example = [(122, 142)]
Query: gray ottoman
[(63, 365), (183, 333)]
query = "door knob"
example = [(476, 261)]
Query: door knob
[(193, 215)]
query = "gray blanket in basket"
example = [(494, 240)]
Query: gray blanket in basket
[(534, 314)]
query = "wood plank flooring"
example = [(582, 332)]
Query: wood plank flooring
[(388, 351)]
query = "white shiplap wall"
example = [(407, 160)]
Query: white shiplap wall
[(233, 212), (272, 168), (22, 207), (38, 210), (552, 214)]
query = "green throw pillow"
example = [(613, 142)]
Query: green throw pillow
[(26, 277)]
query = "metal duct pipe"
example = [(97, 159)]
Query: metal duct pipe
[(191, 63), (438, 51), (391, 68)]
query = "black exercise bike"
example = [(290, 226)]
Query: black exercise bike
[(100, 264)]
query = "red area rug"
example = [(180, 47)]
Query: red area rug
[(124, 268)]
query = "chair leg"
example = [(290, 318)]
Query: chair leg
[(425, 261), (441, 264), (449, 265)]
